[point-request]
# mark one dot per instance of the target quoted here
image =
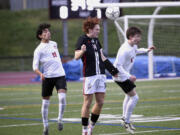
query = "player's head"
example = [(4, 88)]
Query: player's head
[(133, 34), (91, 26), (43, 32)]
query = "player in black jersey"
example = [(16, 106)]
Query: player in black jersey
[(89, 49)]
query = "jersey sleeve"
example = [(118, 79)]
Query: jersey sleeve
[(141, 50), (121, 61), (79, 43), (36, 59)]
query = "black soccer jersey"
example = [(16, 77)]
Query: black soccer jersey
[(92, 62)]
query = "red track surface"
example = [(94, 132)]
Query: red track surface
[(13, 78)]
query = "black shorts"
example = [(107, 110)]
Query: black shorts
[(49, 83), (127, 85)]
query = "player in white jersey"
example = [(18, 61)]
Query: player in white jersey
[(124, 61), (47, 55)]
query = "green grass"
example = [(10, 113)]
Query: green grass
[(158, 98)]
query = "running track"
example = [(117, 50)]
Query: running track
[(13, 78)]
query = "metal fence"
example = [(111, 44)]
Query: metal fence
[(18, 63), (16, 5)]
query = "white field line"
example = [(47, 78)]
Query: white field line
[(20, 125), (80, 103), (110, 101), (140, 132), (104, 109)]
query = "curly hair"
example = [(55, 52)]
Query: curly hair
[(90, 23), (40, 29), (132, 31)]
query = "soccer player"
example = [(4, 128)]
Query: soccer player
[(48, 56), (89, 49), (124, 61)]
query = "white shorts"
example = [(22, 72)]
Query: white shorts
[(94, 84)]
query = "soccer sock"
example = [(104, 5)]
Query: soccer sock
[(62, 105), (130, 107), (125, 102), (84, 124), (44, 111), (94, 118)]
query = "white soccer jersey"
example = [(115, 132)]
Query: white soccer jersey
[(47, 55), (125, 60)]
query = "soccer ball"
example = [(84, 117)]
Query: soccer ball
[(112, 12)]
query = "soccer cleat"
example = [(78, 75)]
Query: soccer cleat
[(128, 128), (60, 125), (90, 129), (45, 131), (84, 133), (130, 124), (122, 120)]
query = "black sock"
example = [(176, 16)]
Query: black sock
[(84, 121), (94, 118)]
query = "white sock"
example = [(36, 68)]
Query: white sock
[(125, 102), (44, 111), (130, 107), (85, 129), (62, 105)]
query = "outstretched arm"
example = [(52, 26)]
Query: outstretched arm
[(145, 50), (108, 65)]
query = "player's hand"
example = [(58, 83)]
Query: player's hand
[(102, 55), (83, 47), (132, 78), (42, 77), (151, 48)]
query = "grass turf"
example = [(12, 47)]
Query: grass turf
[(159, 99)]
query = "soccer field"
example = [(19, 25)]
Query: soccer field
[(157, 112)]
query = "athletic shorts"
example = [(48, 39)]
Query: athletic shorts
[(94, 84), (127, 85), (49, 83)]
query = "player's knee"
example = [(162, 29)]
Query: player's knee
[(100, 104), (86, 105), (62, 98)]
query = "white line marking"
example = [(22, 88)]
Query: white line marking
[(20, 125), (109, 118), (149, 131), (104, 109)]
